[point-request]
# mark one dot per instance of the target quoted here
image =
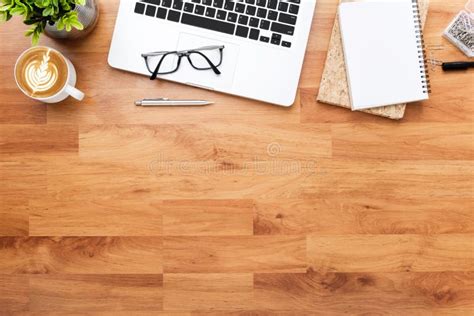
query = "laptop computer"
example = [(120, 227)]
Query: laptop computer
[(263, 43)]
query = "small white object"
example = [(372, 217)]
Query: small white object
[(460, 31), (75, 93), (169, 102)]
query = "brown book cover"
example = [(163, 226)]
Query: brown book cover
[(334, 88)]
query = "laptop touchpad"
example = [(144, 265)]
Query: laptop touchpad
[(207, 78)]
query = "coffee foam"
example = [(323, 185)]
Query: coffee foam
[(41, 75), (41, 72)]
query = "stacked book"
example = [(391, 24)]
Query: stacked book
[(335, 87)]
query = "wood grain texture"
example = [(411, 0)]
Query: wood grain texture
[(212, 291), (208, 217), (86, 255), (79, 293), (365, 215), (240, 208), (408, 293), (95, 217), (14, 293), (234, 254), (391, 253), (36, 139)]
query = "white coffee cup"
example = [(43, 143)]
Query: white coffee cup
[(67, 90)]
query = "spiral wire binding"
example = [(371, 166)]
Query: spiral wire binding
[(422, 49)]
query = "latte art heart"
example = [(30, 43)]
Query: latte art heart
[(41, 75)]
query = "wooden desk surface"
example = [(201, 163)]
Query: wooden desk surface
[(237, 207)]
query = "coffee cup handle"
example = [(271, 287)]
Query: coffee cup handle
[(75, 93)]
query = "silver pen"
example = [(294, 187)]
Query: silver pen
[(169, 102)]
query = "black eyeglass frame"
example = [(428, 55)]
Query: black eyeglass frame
[(184, 53)]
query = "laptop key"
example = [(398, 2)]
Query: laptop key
[(207, 2), (286, 44), (150, 10), (276, 39), (210, 24), (155, 2), (254, 34), (239, 8), (161, 13), (199, 9), (272, 15), (282, 28), (254, 22), (178, 4), (287, 18), (264, 39), (262, 3), (188, 7), (174, 16), (221, 14), (218, 4), (264, 24), (139, 8), (294, 9), (232, 17), (283, 6), (243, 19), (166, 3), (251, 10), (210, 12), (272, 4), (229, 5), (262, 13), (242, 31)]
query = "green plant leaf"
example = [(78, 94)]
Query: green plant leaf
[(77, 25), (6, 5), (48, 11), (5, 16), (38, 13), (5, 8), (30, 31), (35, 38), (20, 6), (18, 10), (60, 25), (35, 32)]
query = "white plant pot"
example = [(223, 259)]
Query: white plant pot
[(88, 15)]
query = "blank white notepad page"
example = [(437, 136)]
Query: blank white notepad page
[(382, 53)]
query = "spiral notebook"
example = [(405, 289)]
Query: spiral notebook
[(383, 50)]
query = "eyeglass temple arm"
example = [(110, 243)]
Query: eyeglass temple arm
[(157, 53), (204, 48), (167, 52)]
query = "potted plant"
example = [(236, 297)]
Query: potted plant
[(56, 18)]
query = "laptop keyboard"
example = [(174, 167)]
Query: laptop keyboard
[(267, 21)]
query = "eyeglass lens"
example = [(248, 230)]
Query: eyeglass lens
[(198, 61), (169, 63)]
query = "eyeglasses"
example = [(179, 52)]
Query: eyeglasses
[(203, 58)]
